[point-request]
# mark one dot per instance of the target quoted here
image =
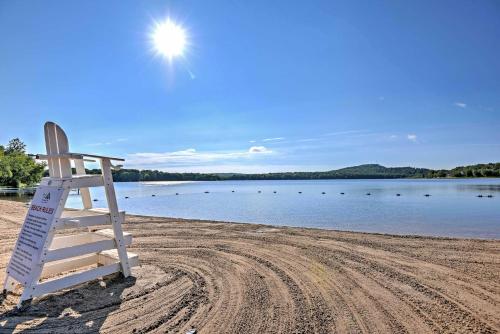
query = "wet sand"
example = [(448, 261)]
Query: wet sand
[(245, 278)]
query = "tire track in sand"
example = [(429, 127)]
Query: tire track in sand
[(243, 278)]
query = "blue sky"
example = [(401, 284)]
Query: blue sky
[(263, 86)]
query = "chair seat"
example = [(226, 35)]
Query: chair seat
[(74, 182), (85, 218)]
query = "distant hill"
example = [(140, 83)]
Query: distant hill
[(377, 171), (368, 171)]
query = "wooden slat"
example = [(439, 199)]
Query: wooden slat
[(74, 156), (103, 258), (50, 162), (75, 279), (62, 241), (58, 267), (58, 155), (51, 146), (84, 181), (51, 181), (81, 246), (92, 219), (101, 157), (85, 221), (63, 147), (108, 233), (84, 192), (77, 181), (115, 217), (68, 212), (91, 247), (109, 260), (111, 256)]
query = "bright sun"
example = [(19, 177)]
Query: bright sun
[(169, 39)]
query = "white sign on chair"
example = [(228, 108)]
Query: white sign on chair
[(40, 253), (34, 233)]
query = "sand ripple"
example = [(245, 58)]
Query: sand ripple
[(238, 278)]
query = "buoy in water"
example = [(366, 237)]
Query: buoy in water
[(153, 195), (323, 193), (490, 196), (479, 195), (232, 191), (177, 193), (206, 192), (342, 193), (398, 194), (426, 195), (274, 191), (368, 194), (300, 192), (259, 191), (126, 196)]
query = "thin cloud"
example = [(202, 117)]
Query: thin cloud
[(119, 140), (258, 149), (461, 105), (305, 140), (100, 144), (273, 139), (243, 168), (191, 156), (348, 132), (412, 137)]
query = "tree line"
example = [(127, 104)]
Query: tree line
[(370, 171), (17, 169)]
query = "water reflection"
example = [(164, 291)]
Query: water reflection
[(452, 209)]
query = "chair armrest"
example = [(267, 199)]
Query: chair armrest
[(60, 155), (74, 156), (101, 157)]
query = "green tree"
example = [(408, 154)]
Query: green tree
[(15, 146), (16, 168)]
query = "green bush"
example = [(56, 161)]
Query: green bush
[(17, 169)]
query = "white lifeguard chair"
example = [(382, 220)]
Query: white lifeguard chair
[(41, 260)]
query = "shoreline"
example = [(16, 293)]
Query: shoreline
[(395, 232), (312, 229), (341, 179), (255, 278)]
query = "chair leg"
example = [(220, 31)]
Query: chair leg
[(115, 217)]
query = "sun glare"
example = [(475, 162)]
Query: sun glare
[(169, 39)]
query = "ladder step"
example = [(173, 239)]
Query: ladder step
[(111, 256), (64, 247), (103, 258), (108, 259), (75, 279), (57, 267), (85, 218), (74, 182)]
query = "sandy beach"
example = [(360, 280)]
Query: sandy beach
[(219, 277)]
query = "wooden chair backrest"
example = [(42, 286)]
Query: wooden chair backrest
[(56, 142)]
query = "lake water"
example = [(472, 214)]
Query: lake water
[(453, 209)]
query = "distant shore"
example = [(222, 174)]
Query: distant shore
[(249, 278), (367, 171)]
